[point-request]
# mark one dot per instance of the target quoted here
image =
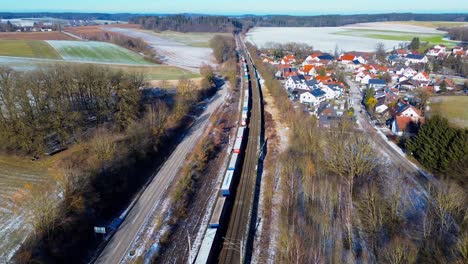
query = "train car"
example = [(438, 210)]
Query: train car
[(217, 213), (205, 249), (226, 187), (245, 106), (237, 145), (244, 118), (240, 132), (246, 94), (233, 162)]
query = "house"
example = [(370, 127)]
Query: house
[(403, 124), (347, 58), (406, 118), (408, 72), (288, 59), (415, 59), (405, 109), (449, 84), (377, 83), (312, 98), (332, 91), (294, 82), (422, 77), (365, 79)]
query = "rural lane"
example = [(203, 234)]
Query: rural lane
[(172, 52), (381, 143), (150, 200)]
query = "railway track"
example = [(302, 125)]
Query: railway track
[(237, 232)]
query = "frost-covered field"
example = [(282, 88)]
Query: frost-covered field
[(172, 52), (98, 52), (345, 38), (14, 175)]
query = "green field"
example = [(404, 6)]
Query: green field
[(432, 39), (28, 48), (96, 52), (454, 108), (194, 39)]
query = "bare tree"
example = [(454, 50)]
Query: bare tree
[(349, 155)]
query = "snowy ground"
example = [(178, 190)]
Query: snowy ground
[(327, 38), (14, 175), (173, 53)]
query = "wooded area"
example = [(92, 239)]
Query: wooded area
[(196, 23), (48, 109)]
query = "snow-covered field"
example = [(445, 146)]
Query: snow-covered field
[(173, 53), (97, 52), (14, 175), (327, 38)]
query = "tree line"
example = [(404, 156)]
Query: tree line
[(186, 23), (52, 107), (195, 23)]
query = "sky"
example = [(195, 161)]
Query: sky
[(233, 7)]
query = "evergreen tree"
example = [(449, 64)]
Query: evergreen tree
[(438, 145)]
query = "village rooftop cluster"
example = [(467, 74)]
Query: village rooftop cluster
[(394, 87)]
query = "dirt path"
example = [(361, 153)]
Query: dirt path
[(271, 194)]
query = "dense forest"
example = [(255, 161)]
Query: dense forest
[(186, 23)]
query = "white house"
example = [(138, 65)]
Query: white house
[(314, 97), (365, 79), (415, 59), (421, 77)]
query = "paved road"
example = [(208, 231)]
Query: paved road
[(383, 144), (122, 241)]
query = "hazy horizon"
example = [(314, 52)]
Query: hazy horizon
[(239, 7)]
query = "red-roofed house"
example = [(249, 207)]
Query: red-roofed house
[(288, 59), (422, 77), (403, 124), (347, 58)]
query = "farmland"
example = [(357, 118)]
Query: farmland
[(27, 48), (35, 36), (97, 52), (158, 72), (451, 107), (15, 174), (356, 37), (193, 39), (401, 36)]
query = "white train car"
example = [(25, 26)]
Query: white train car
[(226, 187), (240, 132), (244, 118), (245, 106), (233, 162), (237, 145)]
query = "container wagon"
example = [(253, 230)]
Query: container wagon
[(226, 187), (240, 132), (217, 213), (237, 145), (233, 162)]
